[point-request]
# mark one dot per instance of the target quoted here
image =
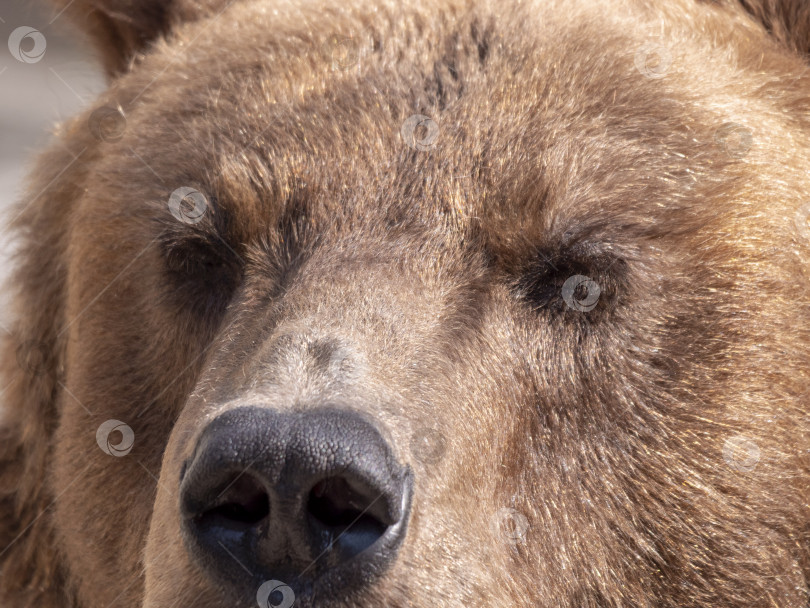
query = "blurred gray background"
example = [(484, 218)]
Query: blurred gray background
[(36, 92)]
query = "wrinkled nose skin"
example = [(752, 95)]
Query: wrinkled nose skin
[(313, 499)]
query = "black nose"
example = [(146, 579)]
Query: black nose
[(315, 500)]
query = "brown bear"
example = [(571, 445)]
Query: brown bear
[(442, 303)]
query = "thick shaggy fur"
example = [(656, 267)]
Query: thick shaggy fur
[(434, 277)]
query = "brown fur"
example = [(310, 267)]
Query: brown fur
[(436, 276)]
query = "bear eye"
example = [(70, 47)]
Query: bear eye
[(573, 280), (202, 270)]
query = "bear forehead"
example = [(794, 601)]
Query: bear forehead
[(393, 119)]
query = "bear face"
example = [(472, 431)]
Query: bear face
[(442, 304)]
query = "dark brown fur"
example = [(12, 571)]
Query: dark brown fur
[(433, 278)]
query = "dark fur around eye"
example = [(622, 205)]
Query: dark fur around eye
[(203, 271), (573, 281)]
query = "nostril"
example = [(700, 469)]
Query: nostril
[(355, 518), (335, 503), (242, 503)]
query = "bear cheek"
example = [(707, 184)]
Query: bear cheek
[(102, 514), (115, 418)]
